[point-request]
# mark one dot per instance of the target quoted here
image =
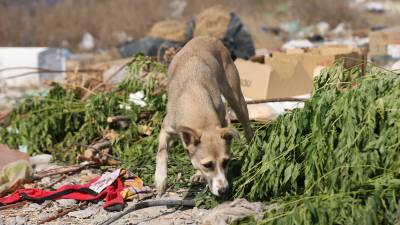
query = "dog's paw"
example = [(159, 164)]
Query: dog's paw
[(197, 178)]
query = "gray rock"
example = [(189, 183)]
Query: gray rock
[(66, 202), (83, 214), (19, 220), (40, 159), (11, 221), (34, 206)]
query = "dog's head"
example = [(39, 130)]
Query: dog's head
[(209, 153)]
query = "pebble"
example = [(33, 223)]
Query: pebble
[(35, 206), (66, 202), (19, 220), (83, 214), (11, 221)]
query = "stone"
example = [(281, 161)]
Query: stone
[(66, 202), (83, 214), (11, 221), (19, 220)]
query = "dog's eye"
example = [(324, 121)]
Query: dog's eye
[(208, 165), (225, 162)]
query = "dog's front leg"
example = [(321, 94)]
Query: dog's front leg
[(162, 162)]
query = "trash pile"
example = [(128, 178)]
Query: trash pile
[(326, 151), (172, 34), (336, 160)]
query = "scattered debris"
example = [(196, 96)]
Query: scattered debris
[(296, 44), (375, 7), (173, 34), (88, 42)]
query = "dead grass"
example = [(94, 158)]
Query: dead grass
[(68, 20), (333, 12), (112, 21)]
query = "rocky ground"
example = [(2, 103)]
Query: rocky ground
[(86, 213), (33, 213)]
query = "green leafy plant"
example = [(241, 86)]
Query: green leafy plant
[(337, 160)]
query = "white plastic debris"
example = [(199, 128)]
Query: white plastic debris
[(138, 98), (322, 28), (375, 7), (293, 44), (340, 29), (87, 42), (393, 51)]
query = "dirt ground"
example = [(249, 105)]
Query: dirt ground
[(69, 211), (93, 212)]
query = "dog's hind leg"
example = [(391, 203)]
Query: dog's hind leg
[(234, 96), (160, 177)]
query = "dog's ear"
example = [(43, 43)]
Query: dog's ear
[(228, 133), (190, 137)]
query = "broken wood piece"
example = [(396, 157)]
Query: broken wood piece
[(122, 121), (15, 205), (276, 100), (100, 145), (63, 170), (100, 154), (150, 203)]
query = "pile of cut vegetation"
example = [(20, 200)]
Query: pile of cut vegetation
[(337, 161), (65, 124)]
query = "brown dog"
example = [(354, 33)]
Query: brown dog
[(198, 75)]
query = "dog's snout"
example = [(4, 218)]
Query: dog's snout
[(222, 191)]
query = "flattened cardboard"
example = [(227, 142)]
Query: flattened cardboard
[(276, 79), (290, 74), (254, 78), (288, 78), (379, 41)]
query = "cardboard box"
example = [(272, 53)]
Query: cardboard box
[(290, 74), (316, 59), (279, 79), (381, 42)]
